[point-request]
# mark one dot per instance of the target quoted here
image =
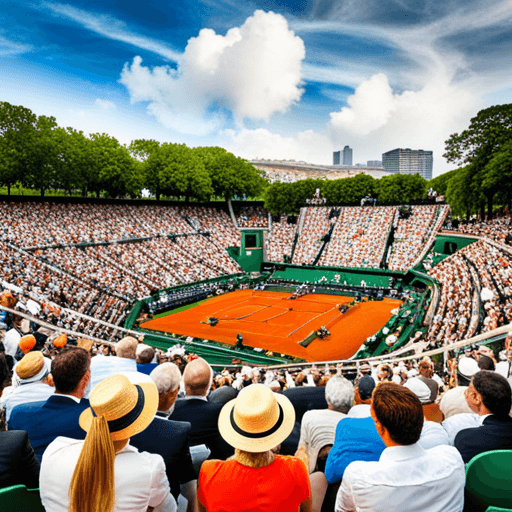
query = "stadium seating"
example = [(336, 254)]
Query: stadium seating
[(18, 498)]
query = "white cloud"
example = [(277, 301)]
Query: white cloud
[(111, 28), (253, 71), (8, 47), (308, 146), (105, 104)]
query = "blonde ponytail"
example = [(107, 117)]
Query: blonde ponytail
[(92, 487)]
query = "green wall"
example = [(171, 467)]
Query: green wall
[(251, 251)]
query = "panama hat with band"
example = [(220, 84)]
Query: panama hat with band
[(257, 420), (128, 408)]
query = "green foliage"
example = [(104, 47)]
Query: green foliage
[(230, 176), (349, 191), (440, 184), (461, 194), (400, 189)]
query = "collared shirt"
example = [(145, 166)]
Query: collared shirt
[(74, 398), (194, 397), (25, 394), (105, 366), (454, 424), (406, 478), (140, 479)]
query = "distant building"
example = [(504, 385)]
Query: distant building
[(374, 163), (409, 161), (336, 158), (347, 155)]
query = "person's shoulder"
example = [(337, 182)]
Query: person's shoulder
[(13, 437)]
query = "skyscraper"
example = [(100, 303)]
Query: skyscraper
[(409, 161), (336, 158), (347, 155)]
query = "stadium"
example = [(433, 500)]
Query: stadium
[(299, 298)]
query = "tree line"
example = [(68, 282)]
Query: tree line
[(483, 152), (37, 153)]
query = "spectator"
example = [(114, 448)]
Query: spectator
[(198, 411), (18, 463), (426, 370), (124, 361), (57, 416), (318, 426), (104, 471), (145, 356), (31, 383), (254, 423), (488, 395), (404, 468)]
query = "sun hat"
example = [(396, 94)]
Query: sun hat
[(257, 420), (33, 367), (128, 408)]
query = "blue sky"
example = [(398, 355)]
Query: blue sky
[(265, 79)]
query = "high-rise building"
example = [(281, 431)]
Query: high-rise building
[(347, 155), (374, 163), (409, 161), (336, 156)]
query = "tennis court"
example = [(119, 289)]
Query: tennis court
[(275, 322)]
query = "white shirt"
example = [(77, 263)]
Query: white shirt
[(405, 479), (454, 424), (433, 434), (105, 366), (140, 479), (24, 394)]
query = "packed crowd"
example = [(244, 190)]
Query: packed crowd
[(359, 237), (252, 217), (412, 234), (476, 290), (315, 439), (316, 224), (498, 229), (280, 240)]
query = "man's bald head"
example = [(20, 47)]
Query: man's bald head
[(197, 377)]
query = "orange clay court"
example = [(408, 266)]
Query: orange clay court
[(272, 321)]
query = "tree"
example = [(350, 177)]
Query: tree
[(488, 131), (497, 175), (231, 176), (280, 198), (349, 191), (461, 193), (440, 183), (178, 171), (17, 129), (401, 188)]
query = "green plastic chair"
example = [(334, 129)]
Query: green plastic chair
[(497, 509), (18, 498), (489, 479)]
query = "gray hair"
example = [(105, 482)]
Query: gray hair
[(339, 394), (167, 378)]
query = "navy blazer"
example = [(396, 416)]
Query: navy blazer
[(306, 398), (170, 439), (45, 421), (494, 434), (203, 417), (18, 464)]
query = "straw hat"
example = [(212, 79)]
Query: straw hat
[(128, 408), (32, 368), (257, 420)]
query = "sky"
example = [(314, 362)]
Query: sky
[(273, 79)]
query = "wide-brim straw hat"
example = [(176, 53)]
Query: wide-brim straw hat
[(128, 408), (257, 420)]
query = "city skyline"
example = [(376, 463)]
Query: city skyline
[(274, 79)]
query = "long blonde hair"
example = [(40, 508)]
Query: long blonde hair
[(92, 487)]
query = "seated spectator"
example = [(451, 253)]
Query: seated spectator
[(426, 370), (364, 390), (31, 383), (318, 426), (356, 439), (198, 411), (57, 416), (18, 463), (254, 423), (168, 438), (406, 477), (145, 356), (124, 361), (488, 395), (104, 473)]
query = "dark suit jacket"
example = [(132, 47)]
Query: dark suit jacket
[(494, 434), (170, 439), (45, 421), (306, 398), (203, 416), (18, 464)]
